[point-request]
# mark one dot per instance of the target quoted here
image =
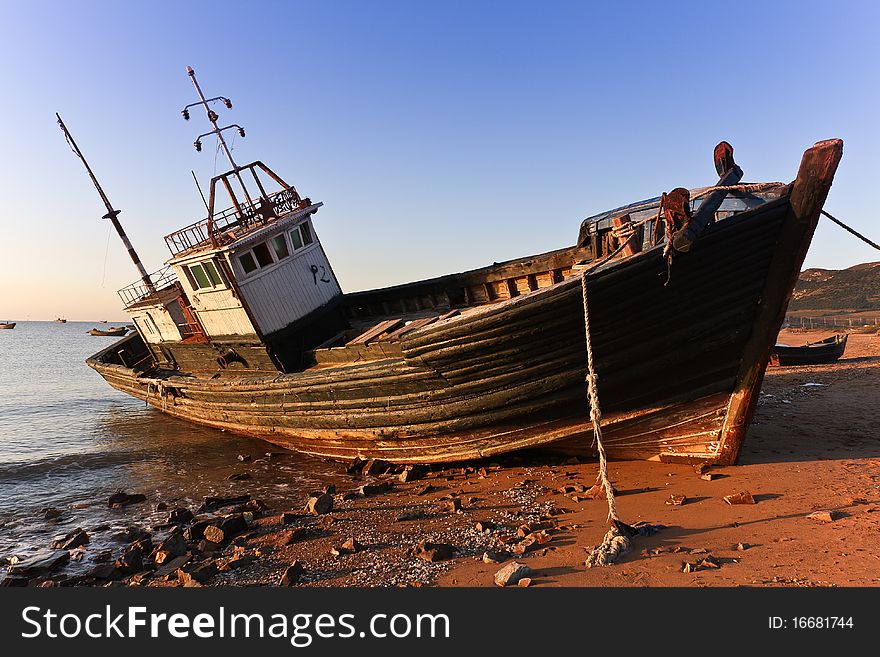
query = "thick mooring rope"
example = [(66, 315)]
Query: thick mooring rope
[(615, 543)]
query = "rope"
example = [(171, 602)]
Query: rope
[(750, 187), (616, 542), (854, 232)]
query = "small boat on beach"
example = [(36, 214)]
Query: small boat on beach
[(679, 299), (814, 353), (116, 331), (7, 325)]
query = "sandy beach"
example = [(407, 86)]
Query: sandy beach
[(813, 447)]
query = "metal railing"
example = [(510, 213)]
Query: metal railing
[(848, 320), (138, 291), (229, 224)]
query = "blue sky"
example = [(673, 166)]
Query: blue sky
[(441, 136)]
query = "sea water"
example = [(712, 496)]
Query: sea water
[(68, 441)]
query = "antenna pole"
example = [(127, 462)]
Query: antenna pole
[(112, 215), (212, 117)]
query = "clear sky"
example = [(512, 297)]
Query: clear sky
[(441, 136)]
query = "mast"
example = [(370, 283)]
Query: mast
[(112, 215), (212, 118)]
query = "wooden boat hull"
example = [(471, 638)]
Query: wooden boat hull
[(8, 325), (815, 353), (680, 354), (110, 332)]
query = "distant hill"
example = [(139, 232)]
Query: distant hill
[(853, 289)]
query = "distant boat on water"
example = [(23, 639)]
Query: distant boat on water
[(113, 330), (61, 320), (7, 325)]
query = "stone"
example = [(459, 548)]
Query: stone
[(208, 547), (484, 526), (492, 557), (214, 503), (51, 513), (120, 499), (375, 467), (131, 534), (409, 515), (742, 547), (161, 506), (173, 546), (824, 516), (512, 573), (106, 571), (289, 517), (180, 516), (433, 551), (524, 582), (227, 529), (374, 489), (196, 531), (424, 490), (131, 561), (743, 497), (237, 562), (244, 458), (452, 506), (291, 574), (200, 571), (290, 536), (318, 506), (708, 476), (41, 563), (355, 466), (411, 473), (351, 546), (676, 500), (77, 538), (528, 544), (171, 566)]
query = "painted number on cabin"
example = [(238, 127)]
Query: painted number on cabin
[(324, 278)]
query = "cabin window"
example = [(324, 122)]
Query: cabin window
[(306, 232), (201, 277), (261, 250), (248, 264), (295, 239), (279, 245), (213, 276), (190, 278)]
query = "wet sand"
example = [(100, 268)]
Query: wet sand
[(814, 446)]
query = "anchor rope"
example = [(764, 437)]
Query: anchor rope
[(616, 542), (852, 230)]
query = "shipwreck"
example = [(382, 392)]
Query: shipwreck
[(247, 328)]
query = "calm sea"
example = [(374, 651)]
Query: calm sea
[(68, 441)]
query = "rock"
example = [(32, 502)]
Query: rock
[(597, 492), (291, 574), (708, 476), (207, 547), (196, 531), (320, 505), (239, 476), (743, 497), (676, 500), (289, 517), (51, 513), (244, 458), (227, 529), (105, 571), (824, 516), (484, 526), (742, 547), (254, 506), (171, 566), (374, 489), (41, 563), (492, 557), (14, 581), (375, 467), (214, 503), (77, 538), (200, 571), (131, 534), (161, 506), (433, 551), (237, 562), (528, 544), (180, 516), (452, 506), (354, 466), (290, 536), (411, 473), (349, 547), (512, 573), (524, 582), (120, 499), (173, 546), (131, 561), (409, 515), (424, 490)]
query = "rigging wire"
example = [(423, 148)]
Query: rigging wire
[(106, 252), (851, 230)]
